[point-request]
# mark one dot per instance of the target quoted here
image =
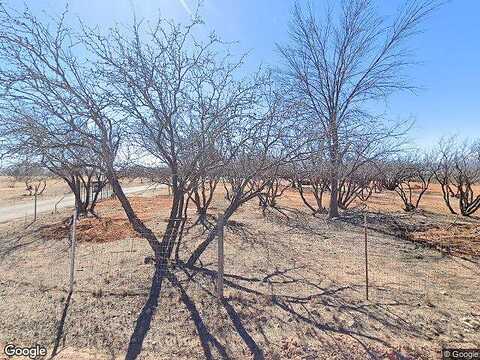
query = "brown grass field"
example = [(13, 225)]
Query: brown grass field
[(13, 192), (294, 284)]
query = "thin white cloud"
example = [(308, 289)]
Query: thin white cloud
[(186, 7)]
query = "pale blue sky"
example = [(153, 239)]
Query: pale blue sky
[(449, 49)]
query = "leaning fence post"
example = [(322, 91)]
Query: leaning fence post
[(219, 234), (366, 252), (72, 248), (58, 202)]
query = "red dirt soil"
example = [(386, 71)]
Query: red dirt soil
[(113, 224)]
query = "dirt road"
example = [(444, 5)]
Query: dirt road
[(17, 211)]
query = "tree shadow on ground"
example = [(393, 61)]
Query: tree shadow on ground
[(237, 322), (9, 246), (144, 319), (405, 226), (206, 338), (392, 224), (299, 308), (301, 221)]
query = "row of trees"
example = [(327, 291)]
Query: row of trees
[(454, 165)]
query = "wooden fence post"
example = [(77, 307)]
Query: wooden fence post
[(366, 253), (219, 234), (72, 249)]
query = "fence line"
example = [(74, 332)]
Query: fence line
[(72, 248), (220, 256), (366, 251)]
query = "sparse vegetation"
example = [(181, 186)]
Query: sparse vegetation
[(294, 163)]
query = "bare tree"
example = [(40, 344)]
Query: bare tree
[(390, 175), (51, 103), (458, 171), (310, 176), (203, 190), (39, 138), (181, 98), (357, 184), (269, 197), (257, 153), (175, 96), (337, 68), (32, 175), (412, 178)]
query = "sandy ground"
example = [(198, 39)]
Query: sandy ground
[(294, 289), (14, 192), (15, 202)]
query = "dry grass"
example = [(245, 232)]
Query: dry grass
[(294, 287), (455, 239), (438, 228), (14, 191)]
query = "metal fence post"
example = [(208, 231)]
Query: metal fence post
[(35, 207), (72, 249), (366, 252), (220, 254)]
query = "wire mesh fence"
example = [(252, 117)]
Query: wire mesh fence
[(125, 264)]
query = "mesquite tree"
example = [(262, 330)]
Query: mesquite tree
[(337, 67), (270, 195), (46, 80), (181, 98), (357, 184), (413, 181), (95, 102), (31, 174), (40, 138), (310, 176), (390, 175), (203, 190), (458, 171), (204, 185)]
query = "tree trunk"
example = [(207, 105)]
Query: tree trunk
[(334, 163), (333, 208), (175, 221), (136, 223)]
